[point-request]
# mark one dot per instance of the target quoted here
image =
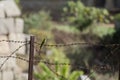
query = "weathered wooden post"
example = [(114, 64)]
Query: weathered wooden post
[(31, 58)]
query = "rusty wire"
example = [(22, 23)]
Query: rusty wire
[(79, 44), (63, 45), (52, 63), (11, 55), (13, 41), (58, 45)]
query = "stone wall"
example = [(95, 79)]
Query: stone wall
[(11, 28)]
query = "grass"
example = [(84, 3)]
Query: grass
[(66, 28), (98, 29)]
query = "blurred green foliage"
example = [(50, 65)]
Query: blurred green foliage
[(117, 22), (17, 1), (40, 20), (40, 34), (67, 28), (61, 72), (81, 56), (100, 30), (39, 24), (117, 17), (83, 16)]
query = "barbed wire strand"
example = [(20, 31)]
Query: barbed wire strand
[(55, 45), (88, 44), (11, 55), (46, 62), (63, 45), (43, 61), (78, 43), (56, 73), (17, 57), (14, 41), (105, 57)]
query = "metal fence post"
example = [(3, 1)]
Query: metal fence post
[(31, 58)]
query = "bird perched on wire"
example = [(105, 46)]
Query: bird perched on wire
[(39, 56), (42, 43)]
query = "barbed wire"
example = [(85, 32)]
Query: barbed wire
[(17, 57), (11, 55), (96, 67), (79, 43), (14, 41), (60, 45), (54, 63), (61, 76), (63, 45)]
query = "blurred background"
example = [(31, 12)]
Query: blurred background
[(63, 22)]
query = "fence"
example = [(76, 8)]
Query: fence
[(31, 60)]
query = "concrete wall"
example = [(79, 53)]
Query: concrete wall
[(11, 28)]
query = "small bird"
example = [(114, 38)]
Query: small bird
[(43, 42)]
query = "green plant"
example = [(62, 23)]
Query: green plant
[(79, 55), (117, 17), (58, 72), (40, 20), (67, 28), (81, 16), (40, 34), (17, 1), (100, 30)]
